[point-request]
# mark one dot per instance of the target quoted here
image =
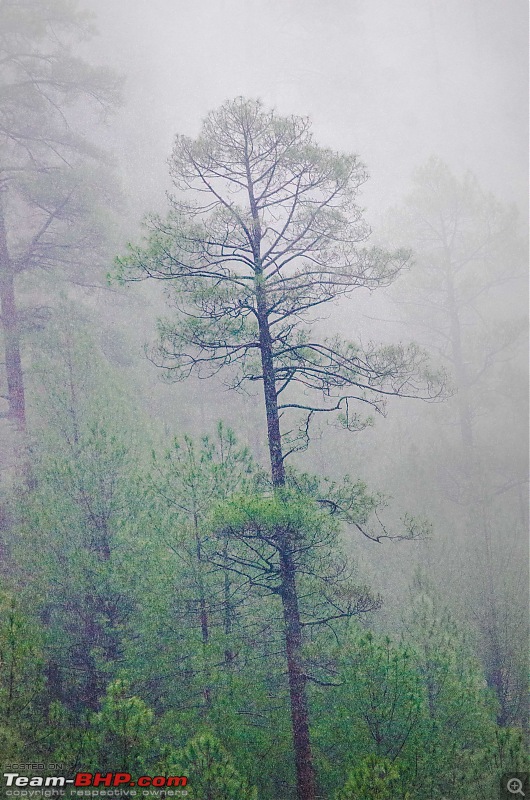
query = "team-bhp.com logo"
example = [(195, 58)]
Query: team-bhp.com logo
[(85, 779)]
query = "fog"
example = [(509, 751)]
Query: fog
[(393, 82), (113, 508)]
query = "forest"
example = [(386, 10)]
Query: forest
[(263, 449)]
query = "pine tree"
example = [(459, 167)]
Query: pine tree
[(375, 778), (265, 229), (210, 772), (51, 181), (75, 529)]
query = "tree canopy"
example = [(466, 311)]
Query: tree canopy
[(52, 187), (264, 228)]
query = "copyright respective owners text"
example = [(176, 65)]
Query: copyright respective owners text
[(514, 785), (40, 780)]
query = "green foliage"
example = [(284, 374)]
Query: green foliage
[(388, 692), (287, 511), (196, 617), (458, 728), (21, 679), (422, 704), (210, 771), (191, 476), (375, 778), (166, 572), (509, 753), (122, 735), (252, 531), (75, 530), (374, 707)]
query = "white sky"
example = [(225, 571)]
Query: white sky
[(393, 80)]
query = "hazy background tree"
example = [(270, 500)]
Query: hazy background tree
[(463, 293), (52, 186)]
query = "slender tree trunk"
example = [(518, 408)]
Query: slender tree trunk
[(269, 390), (497, 659), (13, 364), (227, 614), (305, 775), (203, 610), (461, 372), (297, 679), (16, 402)]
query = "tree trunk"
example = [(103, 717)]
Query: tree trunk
[(13, 364), (16, 402), (305, 775), (497, 659), (297, 680), (227, 614), (461, 372), (203, 611)]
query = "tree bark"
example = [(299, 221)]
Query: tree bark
[(8, 310), (305, 774), (297, 680), (203, 610), (227, 615), (461, 372)]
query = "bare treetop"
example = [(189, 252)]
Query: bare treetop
[(264, 228)]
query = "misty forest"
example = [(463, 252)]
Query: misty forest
[(263, 412)]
